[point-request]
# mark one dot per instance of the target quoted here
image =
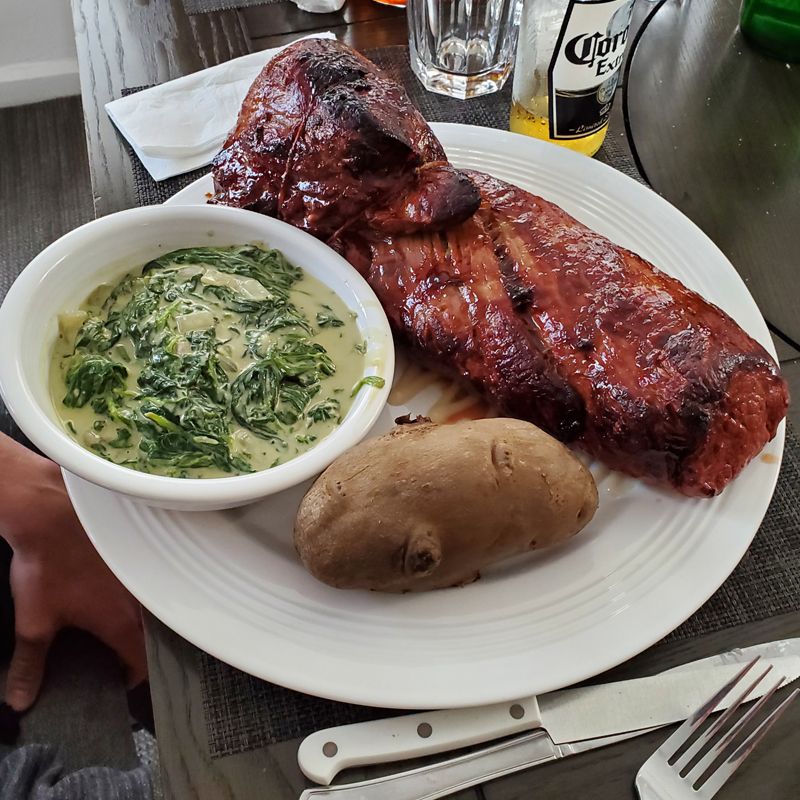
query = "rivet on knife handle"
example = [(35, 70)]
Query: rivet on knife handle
[(324, 754), (445, 777)]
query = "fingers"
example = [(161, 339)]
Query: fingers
[(26, 671), (126, 638)]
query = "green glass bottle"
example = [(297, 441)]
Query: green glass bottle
[(773, 26)]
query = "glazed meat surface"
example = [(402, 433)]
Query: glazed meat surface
[(551, 321), (325, 142), (556, 324)]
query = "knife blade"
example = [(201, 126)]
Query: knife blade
[(446, 777), (568, 715)]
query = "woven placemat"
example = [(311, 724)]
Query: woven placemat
[(243, 713), (207, 6)]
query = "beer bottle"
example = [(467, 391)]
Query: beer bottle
[(568, 63)]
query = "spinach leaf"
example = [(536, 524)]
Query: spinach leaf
[(89, 376), (325, 410), (269, 267), (269, 315), (165, 442), (252, 309), (168, 284), (193, 412), (278, 387), (292, 401), (94, 335), (138, 320), (307, 361), (196, 373), (123, 438), (327, 318), (284, 317), (368, 380), (254, 396), (109, 404)]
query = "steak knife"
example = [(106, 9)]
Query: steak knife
[(447, 777), (568, 716)]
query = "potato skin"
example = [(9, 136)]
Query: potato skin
[(426, 506)]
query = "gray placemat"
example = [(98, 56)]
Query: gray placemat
[(207, 6), (243, 713)]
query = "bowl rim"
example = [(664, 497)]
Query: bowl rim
[(56, 443)]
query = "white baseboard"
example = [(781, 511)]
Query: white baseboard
[(34, 81)]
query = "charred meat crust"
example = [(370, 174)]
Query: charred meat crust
[(325, 142), (653, 361)]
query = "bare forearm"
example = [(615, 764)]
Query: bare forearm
[(24, 475)]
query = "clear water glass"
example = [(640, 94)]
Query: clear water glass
[(463, 48)]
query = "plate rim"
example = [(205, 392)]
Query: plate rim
[(460, 698)]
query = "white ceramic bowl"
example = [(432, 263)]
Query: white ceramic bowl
[(61, 277)]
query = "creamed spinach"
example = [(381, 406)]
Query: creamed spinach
[(207, 362)]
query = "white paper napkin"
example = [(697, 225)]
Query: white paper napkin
[(180, 125)]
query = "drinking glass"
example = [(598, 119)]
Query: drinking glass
[(462, 48)]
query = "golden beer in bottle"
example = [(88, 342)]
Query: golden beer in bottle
[(567, 67)]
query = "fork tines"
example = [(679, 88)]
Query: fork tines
[(731, 746)]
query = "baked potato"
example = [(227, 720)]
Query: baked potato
[(427, 506)]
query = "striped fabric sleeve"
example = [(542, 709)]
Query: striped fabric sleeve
[(33, 772)]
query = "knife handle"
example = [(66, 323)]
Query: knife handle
[(322, 755), (446, 777)]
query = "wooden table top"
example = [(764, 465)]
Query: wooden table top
[(684, 153)]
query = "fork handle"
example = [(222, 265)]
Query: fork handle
[(646, 791), (446, 777)]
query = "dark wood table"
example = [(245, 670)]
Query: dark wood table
[(715, 162)]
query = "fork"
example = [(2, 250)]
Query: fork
[(668, 776)]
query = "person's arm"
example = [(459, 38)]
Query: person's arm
[(57, 578)]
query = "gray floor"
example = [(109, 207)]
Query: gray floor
[(45, 192), (44, 179)]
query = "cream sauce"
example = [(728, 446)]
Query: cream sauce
[(201, 311)]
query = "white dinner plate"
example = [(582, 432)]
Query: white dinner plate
[(230, 581)]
